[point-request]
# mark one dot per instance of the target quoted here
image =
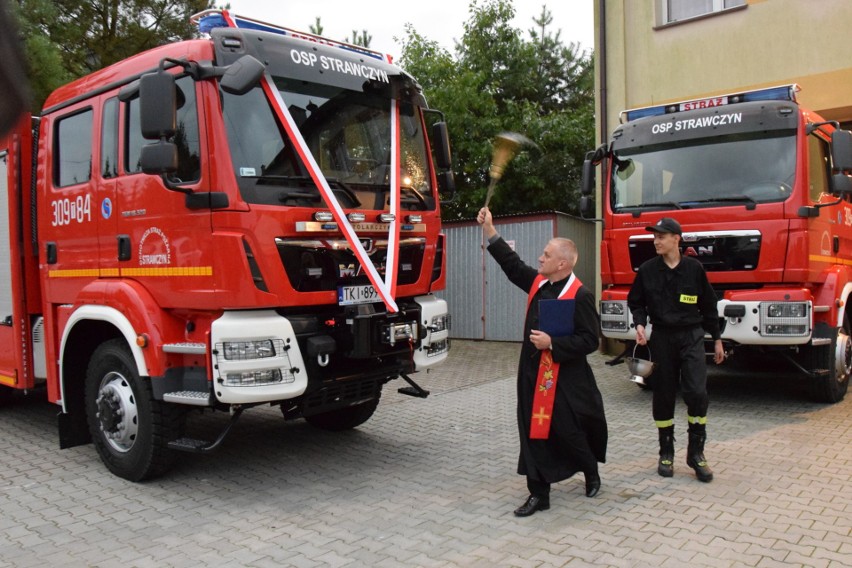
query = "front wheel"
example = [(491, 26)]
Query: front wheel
[(835, 362), (129, 428), (6, 394)]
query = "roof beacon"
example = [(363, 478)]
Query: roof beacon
[(782, 93), (209, 19)]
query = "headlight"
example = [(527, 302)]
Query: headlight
[(439, 323), (613, 308), (614, 316), (242, 350), (786, 310), (785, 319)]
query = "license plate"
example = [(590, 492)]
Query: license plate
[(351, 295)]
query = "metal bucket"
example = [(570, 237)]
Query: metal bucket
[(640, 369)]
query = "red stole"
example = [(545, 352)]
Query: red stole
[(548, 369)]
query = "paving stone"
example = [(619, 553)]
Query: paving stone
[(432, 483)]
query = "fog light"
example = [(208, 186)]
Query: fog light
[(254, 378), (386, 218), (323, 216)]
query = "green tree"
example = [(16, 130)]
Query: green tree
[(90, 35), (362, 38), (500, 80)]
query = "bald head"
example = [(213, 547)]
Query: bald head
[(558, 259)]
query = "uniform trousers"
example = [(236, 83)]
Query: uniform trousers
[(679, 359)]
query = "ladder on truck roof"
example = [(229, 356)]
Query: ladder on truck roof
[(213, 18)]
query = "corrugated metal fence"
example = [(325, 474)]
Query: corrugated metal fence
[(482, 301)]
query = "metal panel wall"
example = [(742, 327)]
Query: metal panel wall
[(465, 292), (482, 301), (582, 232)]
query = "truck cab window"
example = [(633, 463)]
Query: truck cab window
[(186, 138), (818, 167), (73, 149), (109, 139)]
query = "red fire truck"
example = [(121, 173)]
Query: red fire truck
[(247, 219), (761, 187)]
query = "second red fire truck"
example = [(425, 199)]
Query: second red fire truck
[(761, 187)]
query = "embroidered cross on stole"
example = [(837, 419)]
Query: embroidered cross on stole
[(548, 369)]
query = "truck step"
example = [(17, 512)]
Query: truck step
[(202, 447), (193, 398), (189, 445)]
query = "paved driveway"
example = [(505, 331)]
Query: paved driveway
[(432, 483)]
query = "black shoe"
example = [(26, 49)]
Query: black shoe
[(695, 457), (665, 467), (593, 485), (531, 505), (702, 470)]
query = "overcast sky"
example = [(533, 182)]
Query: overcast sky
[(437, 20)]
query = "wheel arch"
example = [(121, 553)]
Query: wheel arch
[(86, 329)]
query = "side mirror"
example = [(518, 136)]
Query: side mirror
[(159, 158), (441, 140), (841, 184), (242, 75), (158, 105), (447, 186), (841, 150), (587, 186), (587, 207)]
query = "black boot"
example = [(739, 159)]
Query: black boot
[(695, 457), (665, 467)]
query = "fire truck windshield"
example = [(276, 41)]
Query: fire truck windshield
[(349, 134), (704, 172)]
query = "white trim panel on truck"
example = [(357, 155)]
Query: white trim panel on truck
[(284, 358)]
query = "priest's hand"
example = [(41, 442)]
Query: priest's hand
[(540, 339)]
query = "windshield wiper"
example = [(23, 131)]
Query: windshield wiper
[(748, 201), (335, 184), (640, 206)]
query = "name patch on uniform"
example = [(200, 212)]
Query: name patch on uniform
[(687, 299)]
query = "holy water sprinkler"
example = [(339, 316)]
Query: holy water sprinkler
[(506, 146)]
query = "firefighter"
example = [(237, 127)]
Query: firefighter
[(672, 291)]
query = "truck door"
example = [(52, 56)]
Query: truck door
[(15, 359), (164, 244)]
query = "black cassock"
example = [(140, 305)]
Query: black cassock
[(578, 431)]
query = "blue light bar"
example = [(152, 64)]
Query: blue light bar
[(785, 93), (629, 115), (782, 93), (216, 18)]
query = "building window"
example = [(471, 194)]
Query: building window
[(679, 10)]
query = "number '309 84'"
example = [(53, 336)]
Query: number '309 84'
[(67, 211)]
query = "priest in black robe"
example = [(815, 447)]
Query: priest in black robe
[(577, 435)]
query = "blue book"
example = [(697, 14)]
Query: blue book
[(556, 317)]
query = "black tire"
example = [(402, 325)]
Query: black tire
[(836, 359), (344, 418), (129, 428), (6, 394)]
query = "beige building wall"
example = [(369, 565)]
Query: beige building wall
[(764, 43)]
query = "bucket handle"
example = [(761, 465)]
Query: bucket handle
[(648, 347)]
